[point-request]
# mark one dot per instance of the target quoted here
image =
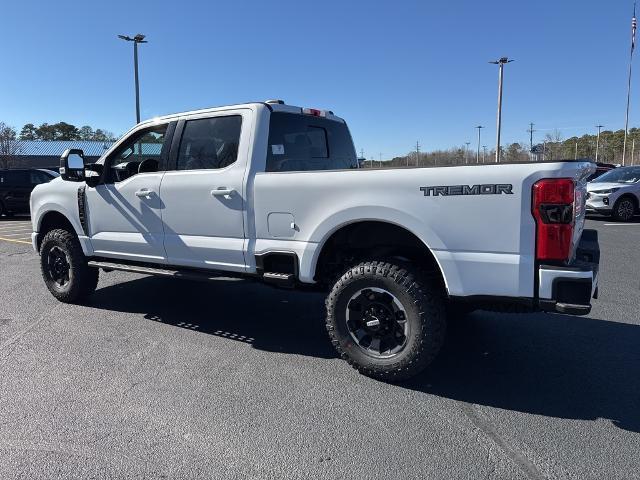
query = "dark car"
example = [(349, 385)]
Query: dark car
[(16, 186), (601, 168)]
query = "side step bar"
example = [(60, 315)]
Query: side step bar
[(286, 280), (161, 272)]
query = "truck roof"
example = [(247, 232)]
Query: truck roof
[(272, 105)]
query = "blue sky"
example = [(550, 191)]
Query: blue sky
[(398, 71)]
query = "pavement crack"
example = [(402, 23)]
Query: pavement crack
[(7, 347), (26, 252), (513, 453)]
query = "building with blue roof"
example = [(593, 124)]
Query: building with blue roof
[(46, 154)]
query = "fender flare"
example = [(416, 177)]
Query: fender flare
[(330, 225)]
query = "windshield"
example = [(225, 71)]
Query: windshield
[(620, 175)]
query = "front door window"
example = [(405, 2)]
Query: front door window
[(141, 153)]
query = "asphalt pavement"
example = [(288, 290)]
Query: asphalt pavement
[(155, 378)]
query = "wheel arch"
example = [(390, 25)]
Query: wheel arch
[(391, 240), (634, 198), (50, 220)]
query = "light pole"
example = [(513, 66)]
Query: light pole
[(466, 152), (599, 127), (531, 130), (139, 38), (501, 63), (484, 153), (479, 127)]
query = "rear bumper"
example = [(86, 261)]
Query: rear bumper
[(569, 289)]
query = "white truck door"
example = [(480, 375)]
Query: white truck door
[(203, 196), (124, 210)]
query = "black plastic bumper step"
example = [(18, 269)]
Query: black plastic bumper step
[(281, 279)]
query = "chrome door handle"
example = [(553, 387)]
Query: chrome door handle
[(222, 191), (144, 192)]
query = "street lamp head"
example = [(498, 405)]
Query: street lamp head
[(502, 61), (479, 127), (139, 38)]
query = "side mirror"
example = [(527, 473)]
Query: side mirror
[(93, 174), (72, 165)]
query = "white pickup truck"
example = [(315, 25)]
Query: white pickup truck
[(274, 192)]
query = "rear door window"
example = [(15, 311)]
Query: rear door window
[(210, 143), (303, 142), (38, 177), (15, 178)]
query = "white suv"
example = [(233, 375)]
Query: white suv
[(615, 193)]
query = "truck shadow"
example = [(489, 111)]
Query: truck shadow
[(268, 318), (543, 364)]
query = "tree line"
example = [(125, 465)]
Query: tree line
[(552, 147), (64, 131), (10, 139)]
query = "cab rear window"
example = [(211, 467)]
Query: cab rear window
[(303, 142)]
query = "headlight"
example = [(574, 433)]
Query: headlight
[(605, 192)]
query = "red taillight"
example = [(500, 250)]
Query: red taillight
[(552, 208)]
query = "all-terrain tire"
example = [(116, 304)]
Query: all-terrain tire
[(421, 298), (82, 279), (624, 209)]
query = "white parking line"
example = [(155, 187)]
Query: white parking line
[(15, 229), (22, 234), (3, 228), (622, 224)]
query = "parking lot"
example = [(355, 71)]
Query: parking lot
[(15, 230), (231, 379)]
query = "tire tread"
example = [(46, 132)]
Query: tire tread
[(85, 279)]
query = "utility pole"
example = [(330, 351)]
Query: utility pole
[(634, 24), (139, 38), (633, 151), (484, 153), (466, 152), (599, 127), (417, 152), (501, 63), (531, 130), (479, 127)]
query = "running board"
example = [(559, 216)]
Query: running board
[(161, 272)]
